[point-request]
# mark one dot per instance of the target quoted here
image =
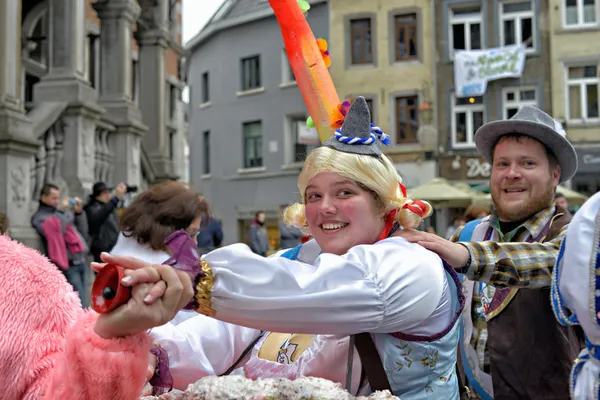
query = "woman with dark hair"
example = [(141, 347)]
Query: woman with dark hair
[(159, 211), (154, 215)]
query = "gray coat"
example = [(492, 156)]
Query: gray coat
[(289, 236), (259, 241)]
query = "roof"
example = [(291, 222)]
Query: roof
[(233, 13)]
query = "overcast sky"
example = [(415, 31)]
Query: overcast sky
[(196, 14)]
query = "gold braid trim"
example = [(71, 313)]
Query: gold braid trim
[(204, 291)]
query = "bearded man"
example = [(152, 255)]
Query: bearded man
[(512, 346)]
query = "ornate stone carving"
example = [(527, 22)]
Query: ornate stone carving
[(58, 130), (39, 171), (50, 143), (87, 147), (104, 166), (134, 170), (151, 16), (18, 179)]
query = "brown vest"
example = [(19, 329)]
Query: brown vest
[(531, 354)]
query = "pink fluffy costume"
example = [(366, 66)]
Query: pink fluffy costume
[(48, 347)]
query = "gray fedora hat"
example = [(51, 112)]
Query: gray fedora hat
[(535, 123)]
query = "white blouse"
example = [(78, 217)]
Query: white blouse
[(386, 287), (390, 286)]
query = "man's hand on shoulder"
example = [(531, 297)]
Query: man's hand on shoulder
[(456, 255)]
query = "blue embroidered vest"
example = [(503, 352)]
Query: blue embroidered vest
[(417, 367)]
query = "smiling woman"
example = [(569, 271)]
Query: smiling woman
[(353, 284), (340, 212)]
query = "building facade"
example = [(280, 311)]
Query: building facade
[(384, 50), (575, 62), (247, 118), (476, 25), (89, 91)]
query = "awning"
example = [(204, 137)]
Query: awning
[(573, 197), (441, 193)]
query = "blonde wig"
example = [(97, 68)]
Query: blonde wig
[(374, 174)]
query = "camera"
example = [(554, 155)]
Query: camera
[(131, 189)]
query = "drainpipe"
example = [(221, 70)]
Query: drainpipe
[(442, 215), (436, 106)]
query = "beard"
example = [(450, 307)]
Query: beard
[(535, 203)]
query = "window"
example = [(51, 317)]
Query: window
[(30, 81), (205, 88), (468, 114), (304, 139), (516, 21), (93, 61), (513, 99), (407, 119), (251, 73), (206, 152), (465, 30), (173, 97), (287, 74), (405, 31), (371, 109), (582, 92), (581, 12), (39, 40), (172, 144), (135, 80), (252, 144), (361, 37)]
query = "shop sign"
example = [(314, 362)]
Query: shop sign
[(589, 160), (465, 168)]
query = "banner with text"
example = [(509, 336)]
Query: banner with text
[(474, 68)]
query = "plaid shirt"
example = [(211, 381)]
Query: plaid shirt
[(508, 260)]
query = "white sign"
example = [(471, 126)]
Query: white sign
[(306, 135), (590, 159), (477, 168), (474, 68), (273, 146)]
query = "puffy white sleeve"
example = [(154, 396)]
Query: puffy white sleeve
[(390, 286), (201, 346), (575, 276)]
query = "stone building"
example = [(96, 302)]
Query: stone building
[(89, 91), (575, 61), (476, 25), (384, 50)]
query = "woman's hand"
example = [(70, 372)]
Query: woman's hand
[(142, 311), (137, 271)]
